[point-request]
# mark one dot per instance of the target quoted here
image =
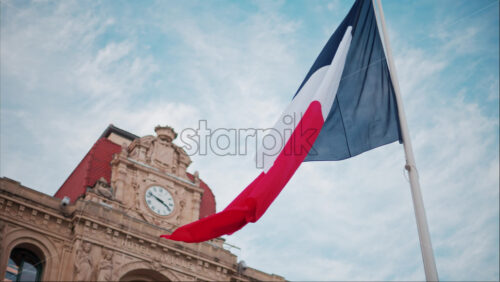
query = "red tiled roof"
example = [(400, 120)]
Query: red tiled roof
[(95, 164), (207, 204)]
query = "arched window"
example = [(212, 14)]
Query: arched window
[(23, 265)]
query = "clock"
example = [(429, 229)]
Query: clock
[(159, 200)]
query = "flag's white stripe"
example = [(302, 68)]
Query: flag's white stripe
[(291, 117), (328, 89), (321, 86)]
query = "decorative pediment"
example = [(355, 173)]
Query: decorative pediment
[(149, 178), (160, 152)]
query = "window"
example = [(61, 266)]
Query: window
[(23, 266)]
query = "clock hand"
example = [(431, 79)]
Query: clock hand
[(160, 200)]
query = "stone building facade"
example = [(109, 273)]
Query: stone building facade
[(105, 221)]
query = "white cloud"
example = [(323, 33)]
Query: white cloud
[(73, 91)]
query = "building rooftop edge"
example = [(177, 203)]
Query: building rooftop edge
[(123, 133)]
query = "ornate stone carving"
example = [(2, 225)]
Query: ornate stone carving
[(160, 152), (156, 264), (163, 154), (105, 267), (148, 142), (196, 178), (166, 133), (179, 218), (84, 263), (101, 187), (137, 195)]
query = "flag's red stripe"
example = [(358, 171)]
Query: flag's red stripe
[(251, 204)]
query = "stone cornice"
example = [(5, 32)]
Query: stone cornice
[(85, 226), (92, 212), (16, 190), (34, 218), (173, 255)]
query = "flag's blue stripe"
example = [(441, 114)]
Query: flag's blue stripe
[(326, 56), (364, 113)]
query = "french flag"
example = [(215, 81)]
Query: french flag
[(345, 106)]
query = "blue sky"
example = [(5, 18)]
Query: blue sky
[(68, 69)]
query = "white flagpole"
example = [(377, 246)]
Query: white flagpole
[(418, 204)]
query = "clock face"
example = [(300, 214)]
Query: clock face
[(159, 200)]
